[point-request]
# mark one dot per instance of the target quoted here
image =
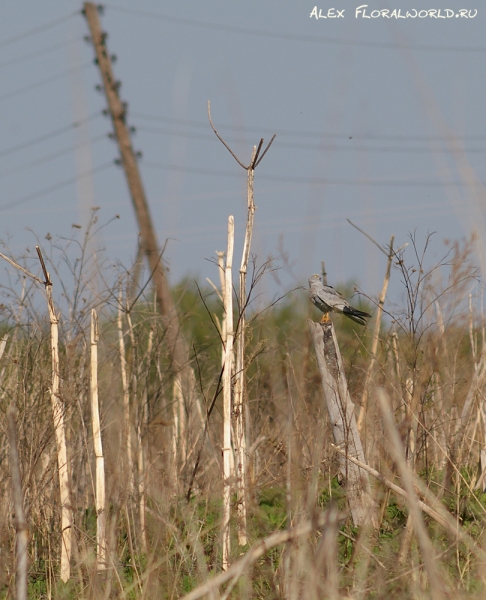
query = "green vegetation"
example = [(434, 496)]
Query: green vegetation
[(430, 362)]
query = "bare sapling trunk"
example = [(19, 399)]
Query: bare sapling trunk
[(240, 380), (376, 334), (60, 432), (343, 421), (21, 527), (126, 398), (240, 438), (228, 367), (98, 450)]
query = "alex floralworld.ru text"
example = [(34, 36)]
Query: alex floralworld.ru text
[(364, 12)]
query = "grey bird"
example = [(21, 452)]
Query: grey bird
[(328, 300)]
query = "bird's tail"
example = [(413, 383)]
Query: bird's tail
[(358, 316)]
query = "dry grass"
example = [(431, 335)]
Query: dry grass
[(431, 373)]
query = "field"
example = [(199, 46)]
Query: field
[(161, 434)]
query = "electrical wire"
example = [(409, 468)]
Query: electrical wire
[(300, 146), (310, 134), (315, 180), (44, 81), (48, 136), (45, 159), (55, 187), (25, 57), (38, 29), (291, 36)]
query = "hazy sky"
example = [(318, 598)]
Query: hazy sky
[(379, 120)]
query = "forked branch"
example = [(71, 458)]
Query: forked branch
[(255, 161)]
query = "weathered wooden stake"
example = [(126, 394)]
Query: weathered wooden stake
[(343, 421)]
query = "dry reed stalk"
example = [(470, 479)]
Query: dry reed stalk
[(259, 549), (179, 429), (375, 337), (140, 458), (142, 475), (228, 364), (126, 397), (222, 276), (396, 362), (397, 451), (98, 449), (21, 527)]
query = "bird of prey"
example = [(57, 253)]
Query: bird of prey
[(328, 300)]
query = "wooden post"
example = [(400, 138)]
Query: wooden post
[(343, 421), (176, 344)]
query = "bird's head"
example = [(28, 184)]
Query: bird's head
[(314, 278)]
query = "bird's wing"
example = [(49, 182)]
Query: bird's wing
[(332, 298)]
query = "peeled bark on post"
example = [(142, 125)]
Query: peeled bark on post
[(98, 450), (343, 421), (21, 528), (228, 364)]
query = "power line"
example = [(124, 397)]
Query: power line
[(311, 134), (49, 136), (55, 187), (314, 180), (25, 57), (44, 81), (302, 146), (291, 36), (38, 29), (45, 159)]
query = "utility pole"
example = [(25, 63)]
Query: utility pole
[(117, 108)]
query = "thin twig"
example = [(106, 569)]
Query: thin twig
[(14, 264), (265, 151), (43, 265), (368, 236), (148, 280), (222, 141), (219, 389), (253, 162)]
